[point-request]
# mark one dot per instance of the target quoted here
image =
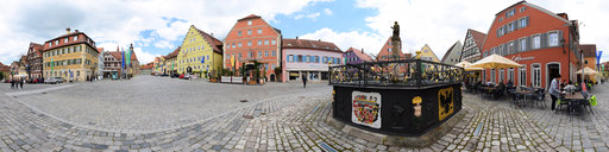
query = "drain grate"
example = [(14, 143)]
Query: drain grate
[(326, 147)]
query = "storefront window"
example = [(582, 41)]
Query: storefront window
[(493, 75), (536, 75), (501, 75), (511, 75)]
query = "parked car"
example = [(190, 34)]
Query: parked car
[(54, 80)]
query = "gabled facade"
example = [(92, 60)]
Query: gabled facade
[(170, 62), (72, 56), (200, 53), (589, 51), (34, 60), (253, 39), (545, 43), (387, 52), (427, 54), (355, 56), (453, 54), (472, 47)]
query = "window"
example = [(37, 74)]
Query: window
[(273, 42), (307, 59), (234, 45), (501, 75), (511, 48), (316, 59), (510, 27), (510, 13), (240, 44), (249, 32), (250, 54), (536, 75), (290, 58), (553, 39), (493, 75), (249, 22), (259, 42), (249, 43), (389, 50), (266, 42), (65, 40), (522, 9), (57, 42), (259, 53), (274, 53), (259, 31), (266, 53), (523, 22), (523, 44), (536, 42), (239, 33), (325, 59)]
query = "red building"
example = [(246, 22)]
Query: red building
[(386, 52), (545, 43), (253, 39)]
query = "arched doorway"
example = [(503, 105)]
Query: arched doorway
[(273, 77)]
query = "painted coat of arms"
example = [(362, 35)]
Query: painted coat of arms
[(366, 109)]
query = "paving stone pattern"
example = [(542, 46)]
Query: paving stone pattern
[(293, 120)]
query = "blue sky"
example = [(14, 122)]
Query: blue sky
[(157, 27)]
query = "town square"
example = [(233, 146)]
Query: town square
[(284, 76)]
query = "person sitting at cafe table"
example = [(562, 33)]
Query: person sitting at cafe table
[(510, 84), (554, 90)]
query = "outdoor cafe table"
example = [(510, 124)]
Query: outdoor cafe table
[(488, 90), (523, 93), (574, 100)]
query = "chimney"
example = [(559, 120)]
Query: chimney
[(68, 30)]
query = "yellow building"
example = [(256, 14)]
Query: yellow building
[(200, 53), (170, 64), (72, 56), (427, 54)]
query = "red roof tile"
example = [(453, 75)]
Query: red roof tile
[(310, 44), (479, 38), (251, 16), (361, 55), (589, 50), (173, 54)]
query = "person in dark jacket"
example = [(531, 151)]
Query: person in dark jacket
[(21, 81), (304, 80), (12, 83)]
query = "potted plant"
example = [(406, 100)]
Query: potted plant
[(213, 77)]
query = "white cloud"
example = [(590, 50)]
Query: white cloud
[(120, 22), (163, 44), (311, 16), (370, 42), (328, 11), (143, 56)]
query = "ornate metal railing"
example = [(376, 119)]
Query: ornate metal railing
[(399, 73)]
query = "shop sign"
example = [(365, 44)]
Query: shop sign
[(518, 58), (366, 109)]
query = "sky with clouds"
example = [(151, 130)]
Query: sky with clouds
[(157, 27)]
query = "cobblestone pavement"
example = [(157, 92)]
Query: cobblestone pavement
[(292, 121)]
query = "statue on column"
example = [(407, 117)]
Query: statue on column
[(396, 42), (396, 31)]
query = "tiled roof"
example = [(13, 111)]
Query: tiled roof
[(589, 50), (479, 38), (360, 54), (147, 66), (117, 55), (100, 49), (173, 54), (310, 44), (251, 16), (37, 47), (215, 43)]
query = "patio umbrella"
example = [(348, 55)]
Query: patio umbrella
[(587, 71), (467, 66), (495, 62)]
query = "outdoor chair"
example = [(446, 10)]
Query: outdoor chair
[(591, 102)]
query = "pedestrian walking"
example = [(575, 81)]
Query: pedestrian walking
[(21, 82), (304, 80), (12, 83), (554, 90)]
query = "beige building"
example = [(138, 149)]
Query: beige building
[(72, 56)]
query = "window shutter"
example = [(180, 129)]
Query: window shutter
[(527, 18), (559, 38), (516, 46), (517, 24), (529, 46), (544, 40)]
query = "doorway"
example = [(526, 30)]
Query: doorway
[(553, 71)]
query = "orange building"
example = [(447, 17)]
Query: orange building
[(589, 51), (545, 43), (386, 52), (253, 39)]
